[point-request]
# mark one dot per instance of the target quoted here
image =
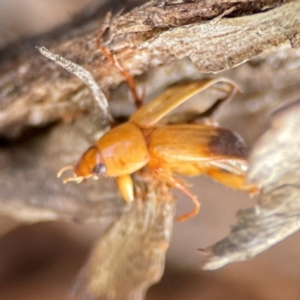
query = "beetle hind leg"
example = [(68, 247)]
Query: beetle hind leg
[(231, 179), (195, 201), (179, 185)]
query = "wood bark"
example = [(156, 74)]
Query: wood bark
[(48, 116)]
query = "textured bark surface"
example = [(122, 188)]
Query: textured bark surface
[(48, 117), (217, 37), (275, 168), (130, 257)]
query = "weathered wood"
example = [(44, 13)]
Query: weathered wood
[(216, 36), (252, 42), (275, 168)]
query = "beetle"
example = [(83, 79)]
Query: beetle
[(168, 150)]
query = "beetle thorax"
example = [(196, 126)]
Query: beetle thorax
[(123, 149)]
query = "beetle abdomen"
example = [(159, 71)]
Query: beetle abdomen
[(187, 149)]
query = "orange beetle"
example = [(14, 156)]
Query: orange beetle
[(167, 150)]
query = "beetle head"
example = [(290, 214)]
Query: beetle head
[(90, 165)]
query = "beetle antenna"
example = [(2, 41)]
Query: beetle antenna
[(70, 179), (62, 170), (130, 81), (77, 179)]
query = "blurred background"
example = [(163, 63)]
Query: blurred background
[(41, 261)]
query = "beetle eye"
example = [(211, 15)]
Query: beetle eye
[(99, 169)]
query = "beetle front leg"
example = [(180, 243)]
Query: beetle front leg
[(125, 186)]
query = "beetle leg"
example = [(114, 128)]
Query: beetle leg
[(125, 186), (151, 113), (230, 179), (176, 183), (130, 81)]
